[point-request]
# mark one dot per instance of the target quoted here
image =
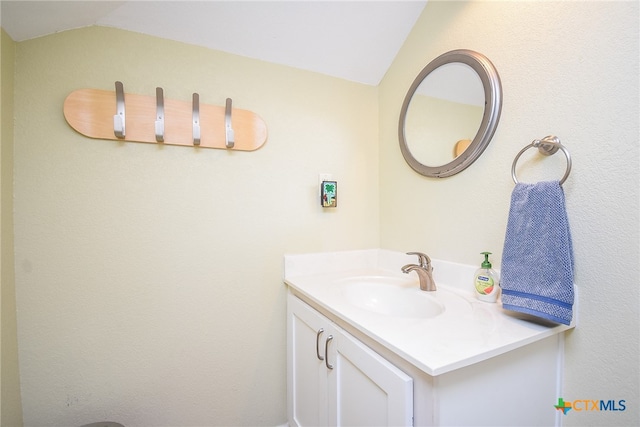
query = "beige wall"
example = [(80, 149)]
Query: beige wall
[(569, 69), (10, 404), (149, 279)]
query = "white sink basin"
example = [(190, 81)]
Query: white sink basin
[(391, 297)]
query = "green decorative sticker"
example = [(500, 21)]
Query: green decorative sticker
[(329, 194)]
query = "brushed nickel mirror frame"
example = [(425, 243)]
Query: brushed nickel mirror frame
[(491, 115)]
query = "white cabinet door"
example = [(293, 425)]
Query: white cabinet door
[(306, 370), (369, 391), (335, 380)]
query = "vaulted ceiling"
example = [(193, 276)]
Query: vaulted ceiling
[(353, 40)]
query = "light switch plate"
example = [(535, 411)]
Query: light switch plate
[(328, 193), (328, 190)]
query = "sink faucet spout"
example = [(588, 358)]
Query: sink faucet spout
[(424, 271)]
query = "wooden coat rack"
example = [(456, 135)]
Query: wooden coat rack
[(111, 115)]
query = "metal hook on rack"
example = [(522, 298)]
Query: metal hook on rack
[(159, 115), (119, 117), (547, 146), (229, 133), (196, 119)]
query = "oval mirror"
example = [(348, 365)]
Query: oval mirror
[(450, 113)]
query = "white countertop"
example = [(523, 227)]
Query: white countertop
[(469, 331)]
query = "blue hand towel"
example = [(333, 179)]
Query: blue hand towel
[(537, 260)]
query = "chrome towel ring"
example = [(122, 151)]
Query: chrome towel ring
[(548, 145)]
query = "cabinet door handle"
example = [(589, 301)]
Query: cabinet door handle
[(326, 352), (320, 331)]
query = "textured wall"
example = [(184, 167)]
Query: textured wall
[(569, 69), (149, 279), (10, 406)]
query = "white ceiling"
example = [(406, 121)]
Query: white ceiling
[(353, 40)]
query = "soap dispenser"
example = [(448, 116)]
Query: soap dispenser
[(486, 281)]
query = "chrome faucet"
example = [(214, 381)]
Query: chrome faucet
[(424, 271)]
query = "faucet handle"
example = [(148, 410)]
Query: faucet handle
[(425, 261)]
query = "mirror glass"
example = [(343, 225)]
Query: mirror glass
[(446, 108), (450, 113)]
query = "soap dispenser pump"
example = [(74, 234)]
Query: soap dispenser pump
[(486, 281)]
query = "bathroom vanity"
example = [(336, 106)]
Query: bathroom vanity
[(367, 347)]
